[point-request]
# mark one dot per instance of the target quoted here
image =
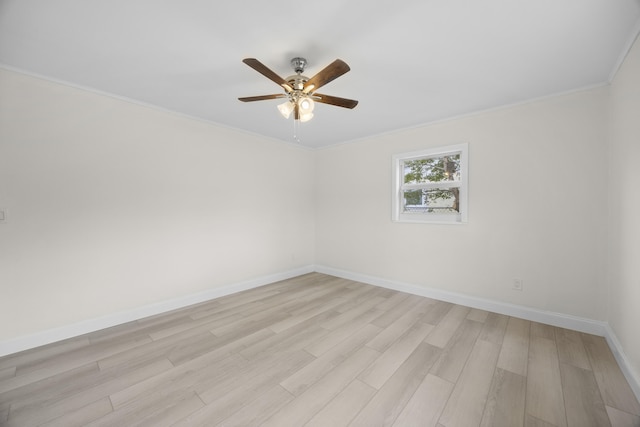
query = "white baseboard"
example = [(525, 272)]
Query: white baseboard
[(91, 325), (550, 318), (561, 320), (616, 348)]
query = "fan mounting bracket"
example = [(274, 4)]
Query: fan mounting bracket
[(298, 64)]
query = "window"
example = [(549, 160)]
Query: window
[(431, 185)]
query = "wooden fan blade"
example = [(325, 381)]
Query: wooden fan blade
[(296, 111), (262, 69), (326, 75), (262, 97), (335, 100)]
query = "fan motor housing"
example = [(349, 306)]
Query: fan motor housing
[(297, 81)]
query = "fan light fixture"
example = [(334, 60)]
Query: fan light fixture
[(300, 90)]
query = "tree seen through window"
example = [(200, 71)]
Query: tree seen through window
[(432, 170)]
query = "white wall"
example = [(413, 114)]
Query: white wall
[(113, 206), (537, 208), (624, 218)]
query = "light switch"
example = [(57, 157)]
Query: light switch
[(3, 215)]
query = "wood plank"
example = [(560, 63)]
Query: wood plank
[(392, 314), (82, 416), (388, 403), (615, 389), (4, 415), (141, 328), (506, 400), (313, 371), (455, 354), (544, 388), (309, 312), (7, 373), (320, 346), (478, 315), (582, 399), (355, 312), (47, 400), (531, 421), (42, 391), (427, 403), (494, 328), (161, 411), (359, 293), (392, 332), (389, 361), (155, 350), (182, 377), (514, 354), (45, 352), (80, 356), (265, 316), (271, 368), (344, 407), (256, 410), (620, 418), (447, 327), (233, 393), (310, 402), (233, 303), (472, 389), (397, 299), (169, 347), (325, 296), (64, 362), (190, 347), (571, 349), (543, 331), (296, 338), (204, 324), (436, 312)]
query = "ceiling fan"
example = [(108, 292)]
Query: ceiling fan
[(300, 90)]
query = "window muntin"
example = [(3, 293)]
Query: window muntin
[(431, 185)]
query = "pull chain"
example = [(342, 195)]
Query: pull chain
[(296, 130)]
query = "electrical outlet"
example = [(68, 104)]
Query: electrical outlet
[(517, 285)]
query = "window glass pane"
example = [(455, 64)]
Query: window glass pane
[(430, 185), (434, 200), (432, 169)]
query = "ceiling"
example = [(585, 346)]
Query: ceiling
[(412, 62)]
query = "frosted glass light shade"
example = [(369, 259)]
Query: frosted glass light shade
[(306, 105), (305, 108), (285, 109)]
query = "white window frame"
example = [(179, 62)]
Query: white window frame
[(429, 217)]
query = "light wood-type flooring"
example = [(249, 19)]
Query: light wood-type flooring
[(320, 351)]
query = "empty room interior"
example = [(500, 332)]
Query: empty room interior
[(443, 235)]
